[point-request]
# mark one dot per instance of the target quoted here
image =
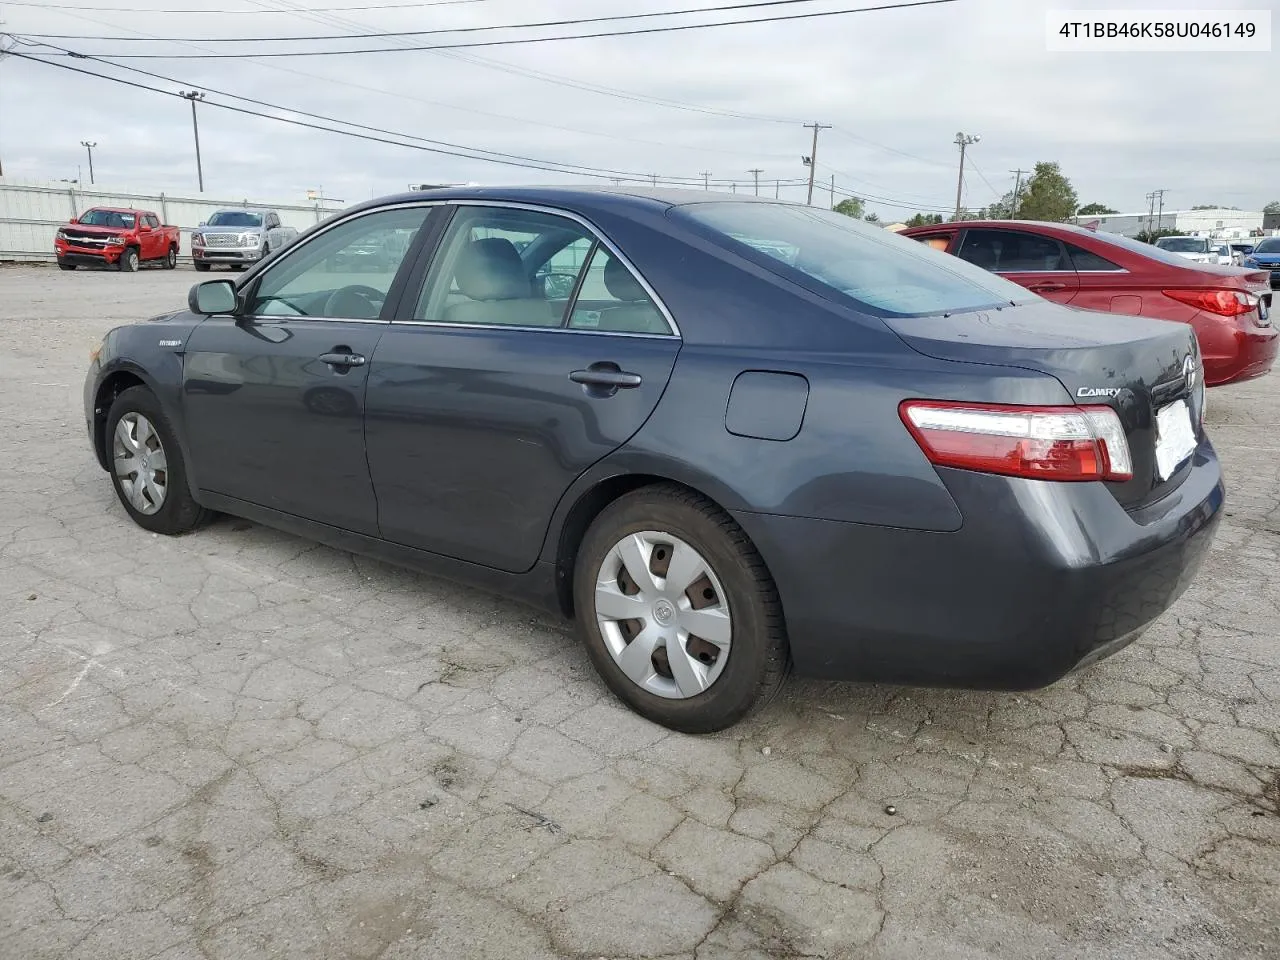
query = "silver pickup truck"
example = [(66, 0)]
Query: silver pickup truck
[(238, 238)]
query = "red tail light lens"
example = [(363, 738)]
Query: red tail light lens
[(1042, 443), (1225, 303)]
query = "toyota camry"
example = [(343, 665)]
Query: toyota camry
[(731, 437)]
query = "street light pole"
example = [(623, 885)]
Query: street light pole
[(962, 140), (89, 146), (193, 96)]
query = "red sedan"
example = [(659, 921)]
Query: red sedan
[(1228, 307)]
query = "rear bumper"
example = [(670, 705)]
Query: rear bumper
[(1042, 578), (1241, 355)]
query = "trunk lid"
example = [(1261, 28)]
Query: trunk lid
[(1134, 365)]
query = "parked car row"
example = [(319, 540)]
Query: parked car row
[(1228, 307), (126, 239), (748, 437)]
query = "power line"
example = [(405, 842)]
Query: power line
[(674, 28), (385, 6), (423, 143), (439, 30)]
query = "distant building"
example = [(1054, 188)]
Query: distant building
[(1217, 220)]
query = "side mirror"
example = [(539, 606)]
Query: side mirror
[(74, 220), (203, 223), (213, 297)]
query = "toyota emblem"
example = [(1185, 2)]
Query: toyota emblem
[(1189, 371)]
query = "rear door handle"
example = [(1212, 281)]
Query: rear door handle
[(618, 379), (343, 359)]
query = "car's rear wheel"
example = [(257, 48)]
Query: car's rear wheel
[(678, 612), (202, 267), (146, 464), (171, 258), (128, 262)]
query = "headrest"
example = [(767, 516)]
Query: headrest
[(621, 283), (491, 269)]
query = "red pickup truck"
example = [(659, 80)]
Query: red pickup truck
[(107, 236)]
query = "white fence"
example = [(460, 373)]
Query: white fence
[(30, 213)]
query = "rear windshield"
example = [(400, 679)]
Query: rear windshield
[(1183, 244), (1270, 245), (108, 218), (884, 273), (1146, 249), (235, 218)]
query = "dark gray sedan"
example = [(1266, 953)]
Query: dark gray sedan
[(729, 436)]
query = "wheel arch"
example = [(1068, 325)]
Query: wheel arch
[(580, 509)]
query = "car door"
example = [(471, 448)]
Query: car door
[(151, 244), (275, 398), (1039, 263), (496, 387)]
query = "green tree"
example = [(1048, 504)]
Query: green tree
[(850, 207), (1272, 208), (1049, 195), (1095, 210), (1151, 236), (924, 219), (872, 218), (1212, 206)]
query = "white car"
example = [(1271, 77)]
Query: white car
[(238, 238), (1199, 249)]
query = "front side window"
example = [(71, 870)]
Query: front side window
[(152, 221), (1270, 245), (1012, 251), (344, 272)]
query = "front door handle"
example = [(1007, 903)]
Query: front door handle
[(343, 359), (617, 379)]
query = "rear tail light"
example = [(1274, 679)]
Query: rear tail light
[(1225, 303), (1043, 443)]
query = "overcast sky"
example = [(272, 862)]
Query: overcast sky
[(896, 85)]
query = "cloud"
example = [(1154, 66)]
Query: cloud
[(1119, 124)]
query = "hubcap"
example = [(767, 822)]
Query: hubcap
[(663, 615), (140, 464)]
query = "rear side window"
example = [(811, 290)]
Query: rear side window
[(883, 272), (1012, 251), (1089, 261)]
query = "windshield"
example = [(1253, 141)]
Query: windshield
[(108, 218), (235, 218), (1184, 244), (1270, 245), (885, 273)]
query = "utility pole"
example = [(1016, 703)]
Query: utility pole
[(755, 172), (777, 189), (812, 159), (1017, 192), (193, 96), (654, 178), (833, 191), (89, 146), (1160, 215), (1151, 214), (706, 179), (962, 140)]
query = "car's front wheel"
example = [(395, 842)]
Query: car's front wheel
[(147, 468), (202, 267), (66, 266), (128, 262), (678, 612)]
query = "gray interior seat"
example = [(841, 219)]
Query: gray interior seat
[(636, 313), (492, 275)]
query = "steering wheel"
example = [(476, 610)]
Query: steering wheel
[(356, 301)]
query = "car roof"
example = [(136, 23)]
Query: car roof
[(578, 198)]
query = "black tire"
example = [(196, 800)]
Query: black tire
[(202, 267), (171, 258), (128, 262), (179, 513), (237, 267), (67, 266), (759, 656)]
